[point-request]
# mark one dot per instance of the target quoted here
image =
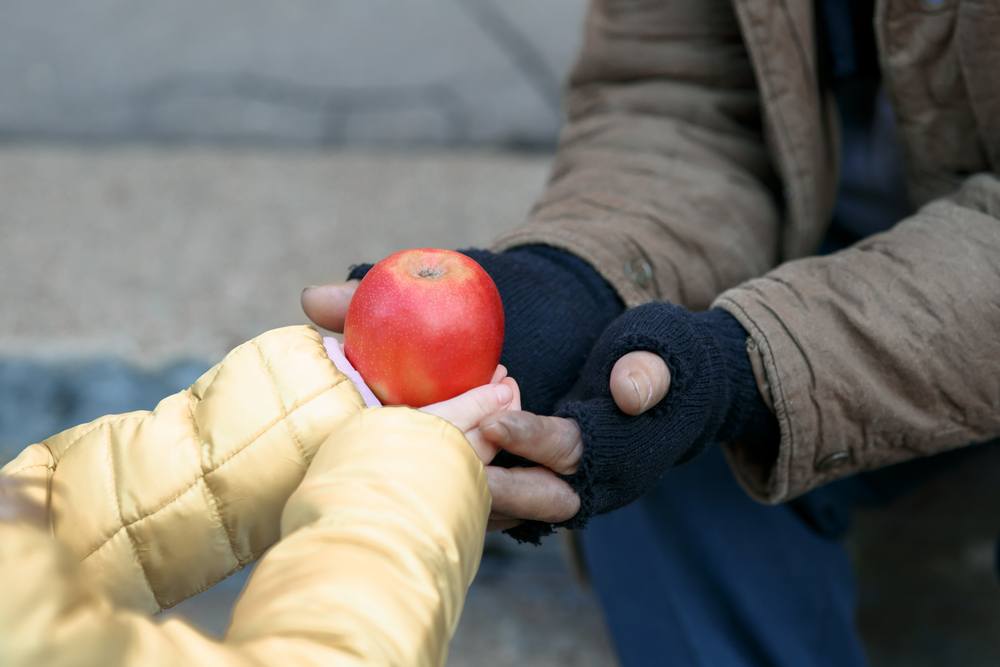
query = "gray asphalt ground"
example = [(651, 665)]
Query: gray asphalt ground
[(156, 254)]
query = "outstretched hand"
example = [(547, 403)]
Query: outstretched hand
[(326, 305), (491, 418), (638, 382), (467, 411)]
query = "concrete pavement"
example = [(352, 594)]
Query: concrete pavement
[(156, 254)]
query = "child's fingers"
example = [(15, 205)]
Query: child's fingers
[(485, 450), (499, 374), (515, 404), (466, 410)]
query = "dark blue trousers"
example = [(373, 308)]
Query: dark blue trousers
[(698, 573)]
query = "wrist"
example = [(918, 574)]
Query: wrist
[(746, 414)]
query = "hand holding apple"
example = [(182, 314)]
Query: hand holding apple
[(532, 493), (424, 325), (468, 411)]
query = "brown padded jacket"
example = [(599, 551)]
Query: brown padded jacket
[(699, 165)]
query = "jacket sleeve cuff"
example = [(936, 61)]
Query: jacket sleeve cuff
[(775, 476), (632, 278)]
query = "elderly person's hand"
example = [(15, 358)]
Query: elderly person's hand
[(492, 420), (539, 494), (469, 410), (545, 365), (535, 493), (661, 385)]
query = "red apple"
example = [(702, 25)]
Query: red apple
[(424, 326)]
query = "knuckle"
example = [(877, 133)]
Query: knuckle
[(484, 402), (496, 431), (509, 425), (561, 504), (501, 482), (568, 446), (521, 427)]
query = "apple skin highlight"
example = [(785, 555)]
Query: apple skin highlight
[(424, 325)]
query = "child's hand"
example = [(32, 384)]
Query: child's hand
[(467, 410)]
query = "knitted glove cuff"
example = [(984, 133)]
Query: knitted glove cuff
[(358, 271)]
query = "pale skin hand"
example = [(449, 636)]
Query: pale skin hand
[(468, 411), (639, 380)]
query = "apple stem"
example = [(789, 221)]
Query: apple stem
[(430, 272)]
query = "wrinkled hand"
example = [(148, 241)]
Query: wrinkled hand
[(467, 411), (491, 418), (326, 305), (639, 380), (637, 383), (630, 439)]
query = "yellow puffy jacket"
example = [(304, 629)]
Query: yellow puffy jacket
[(377, 542)]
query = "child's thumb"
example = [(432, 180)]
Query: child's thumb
[(466, 410)]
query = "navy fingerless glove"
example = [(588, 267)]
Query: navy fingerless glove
[(555, 306), (713, 397)]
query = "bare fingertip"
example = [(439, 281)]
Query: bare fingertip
[(504, 393), (628, 394)]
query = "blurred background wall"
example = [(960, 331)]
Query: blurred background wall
[(173, 173), (293, 73)]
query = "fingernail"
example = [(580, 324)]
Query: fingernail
[(504, 393), (643, 401), (308, 289)]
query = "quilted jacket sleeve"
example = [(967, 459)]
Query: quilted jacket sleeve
[(662, 180), (379, 545), (160, 505)]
